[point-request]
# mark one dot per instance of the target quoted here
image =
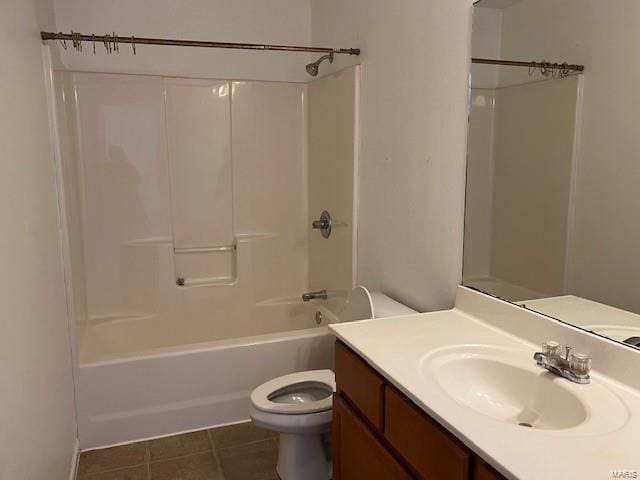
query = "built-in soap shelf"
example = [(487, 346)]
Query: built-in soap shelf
[(205, 265)]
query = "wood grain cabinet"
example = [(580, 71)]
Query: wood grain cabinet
[(378, 433), (357, 453)]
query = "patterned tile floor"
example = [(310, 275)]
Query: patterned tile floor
[(237, 452)]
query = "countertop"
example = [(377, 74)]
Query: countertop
[(397, 348)]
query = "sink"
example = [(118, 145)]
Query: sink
[(511, 394), (507, 386)]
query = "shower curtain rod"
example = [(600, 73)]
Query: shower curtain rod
[(538, 65), (111, 41)]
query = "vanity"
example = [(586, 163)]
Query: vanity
[(457, 394), (379, 433)]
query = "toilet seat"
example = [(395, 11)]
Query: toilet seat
[(263, 396)]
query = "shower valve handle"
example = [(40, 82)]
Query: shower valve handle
[(321, 224), (324, 224)]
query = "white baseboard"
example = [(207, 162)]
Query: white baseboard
[(75, 458)]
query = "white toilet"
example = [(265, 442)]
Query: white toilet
[(299, 405)]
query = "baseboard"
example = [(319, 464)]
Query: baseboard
[(165, 435), (75, 458)]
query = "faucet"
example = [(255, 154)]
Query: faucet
[(575, 367), (322, 294), (633, 341)]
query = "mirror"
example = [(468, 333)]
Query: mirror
[(553, 182)]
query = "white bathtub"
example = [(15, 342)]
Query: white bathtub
[(130, 395)]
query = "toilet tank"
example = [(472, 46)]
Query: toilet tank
[(362, 304)]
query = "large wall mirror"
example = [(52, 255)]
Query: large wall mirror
[(553, 190)]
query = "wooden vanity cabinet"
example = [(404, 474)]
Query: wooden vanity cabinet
[(357, 452), (378, 433)]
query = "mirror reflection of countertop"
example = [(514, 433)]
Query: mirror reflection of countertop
[(480, 382), (611, 322)]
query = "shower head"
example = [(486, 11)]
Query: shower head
[(312, 68)]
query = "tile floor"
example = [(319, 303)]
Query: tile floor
[(237, 452)]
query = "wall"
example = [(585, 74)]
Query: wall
[(487, 43), (413, 110), (36, 393), (276, 21), (557, 31)]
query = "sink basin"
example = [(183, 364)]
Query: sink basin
[(511, 394), (507, 386)]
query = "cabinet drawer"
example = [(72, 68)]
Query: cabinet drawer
[(357, 453), (427, 447), (359, 383)]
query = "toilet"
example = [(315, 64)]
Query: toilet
[(299, 405)]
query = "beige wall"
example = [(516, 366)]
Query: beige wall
[(487, 43), (413, 110), (36, 392)]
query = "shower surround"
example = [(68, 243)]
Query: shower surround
[(188, 204)]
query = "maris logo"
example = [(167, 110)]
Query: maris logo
[(625, 474)]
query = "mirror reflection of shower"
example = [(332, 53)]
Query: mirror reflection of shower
[(313, 68)]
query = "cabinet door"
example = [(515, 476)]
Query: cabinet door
[(357, 453), (363, 387), (482, 471), (431, 451)]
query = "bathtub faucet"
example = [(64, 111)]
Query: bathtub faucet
[(322, 294)]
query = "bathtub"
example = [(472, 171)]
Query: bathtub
[(136, 380)]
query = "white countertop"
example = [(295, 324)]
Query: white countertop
[(396, 348)]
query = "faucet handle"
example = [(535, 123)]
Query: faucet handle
[(580, 364), (551, 348)]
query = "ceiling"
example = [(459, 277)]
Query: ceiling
[(500, 4)]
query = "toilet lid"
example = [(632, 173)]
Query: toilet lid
[(296, 393), (358, 305)]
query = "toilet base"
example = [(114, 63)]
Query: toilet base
[(303, 457)]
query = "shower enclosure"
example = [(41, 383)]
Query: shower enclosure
[(188, 206)]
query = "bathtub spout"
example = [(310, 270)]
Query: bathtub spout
[(322, 294)]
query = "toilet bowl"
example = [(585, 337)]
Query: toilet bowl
[(299, 405)]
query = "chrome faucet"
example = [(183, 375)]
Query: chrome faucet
[(322, 294), (575, 367)]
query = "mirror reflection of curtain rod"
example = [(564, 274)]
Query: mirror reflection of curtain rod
[(542, 65), (111, 42)]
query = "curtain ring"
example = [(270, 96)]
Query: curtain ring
[(544, 68), (77, 40), (133, 44), (63, 43)]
